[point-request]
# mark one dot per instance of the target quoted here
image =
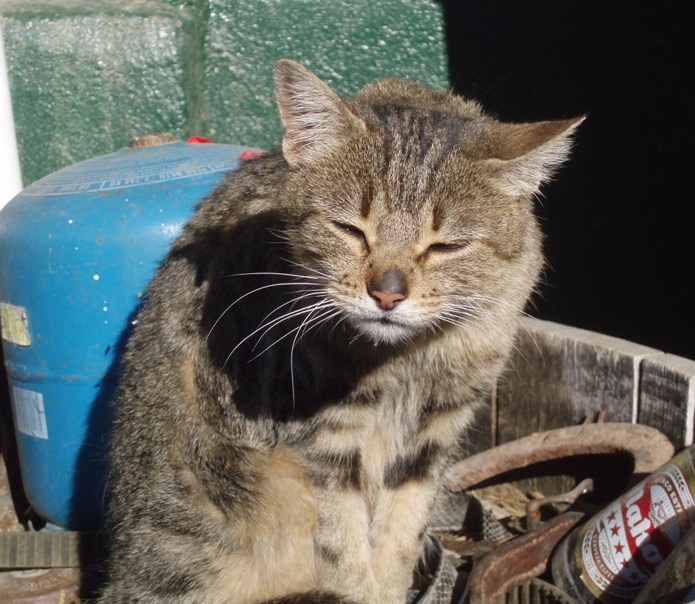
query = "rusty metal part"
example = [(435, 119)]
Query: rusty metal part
[(674, 580), (648, 447), (533, 507), (518, 560)]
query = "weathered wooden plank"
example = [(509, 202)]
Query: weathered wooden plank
[(560, 375), (667, 396)]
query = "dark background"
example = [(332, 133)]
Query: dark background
[(620, 217)]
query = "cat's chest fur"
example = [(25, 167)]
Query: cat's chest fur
[(399, 423)]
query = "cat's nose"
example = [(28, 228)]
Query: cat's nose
[(390, 289)]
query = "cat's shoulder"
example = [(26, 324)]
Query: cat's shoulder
[(248, 191)]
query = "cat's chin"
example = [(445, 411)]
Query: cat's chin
[(385, 331)]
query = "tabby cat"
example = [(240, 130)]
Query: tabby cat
[(315, 344)]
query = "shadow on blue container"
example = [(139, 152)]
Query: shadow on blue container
[(77, 251), (89, 500)]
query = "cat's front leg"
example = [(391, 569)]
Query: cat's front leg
[(399, 527), (343, 552)]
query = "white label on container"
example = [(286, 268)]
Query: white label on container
[(625, 544), (15, 324), (29, 412)]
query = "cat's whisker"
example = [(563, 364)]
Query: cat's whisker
[(278, 234), (467, 309), (268, 273), (305, 326), (472, 313), (459, 317), (290, 315), (469, 312), (309, 268), (253, 291), (307, 293), (530, 334), (294, 343), (434, 327), (454, 322), (308, 323), (317, 290), (488, 311), (493, 300), (342, 318), (267, 327), (328, 314), (320, 320), (275, 323), (470, 305)]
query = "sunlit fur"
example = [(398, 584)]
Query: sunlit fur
[(280, 430)]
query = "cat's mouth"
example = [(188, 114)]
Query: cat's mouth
[(385, 329), (385, 326), (385, 320)]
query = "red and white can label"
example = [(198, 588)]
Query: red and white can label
[(628, 541)]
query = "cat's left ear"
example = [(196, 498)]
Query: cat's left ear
[(523, 156), (315, 117)]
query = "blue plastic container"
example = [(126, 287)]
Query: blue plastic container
[(77, 250)]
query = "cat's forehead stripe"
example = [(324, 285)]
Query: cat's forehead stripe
[(416, 144), (437, 217), (366, 202), (414, 134)]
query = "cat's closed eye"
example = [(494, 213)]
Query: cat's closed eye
[(444, 248), (353, 232)]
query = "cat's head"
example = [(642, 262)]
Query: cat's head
[(412, 207)]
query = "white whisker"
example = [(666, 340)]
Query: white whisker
[(321, 319), (267, 327), (310, 310), (253, 291), (307, 293), (257, 274), (309, 268), (294, 343)]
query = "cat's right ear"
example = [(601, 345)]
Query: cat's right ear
[(314, 117), (522, 156)]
